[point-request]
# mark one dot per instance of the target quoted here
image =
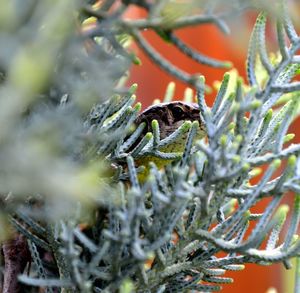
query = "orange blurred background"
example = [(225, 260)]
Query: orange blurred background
[(152, 83)]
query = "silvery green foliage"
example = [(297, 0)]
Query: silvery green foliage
[(45, 99), (163, 235)]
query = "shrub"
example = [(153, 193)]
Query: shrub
[(96, 197)]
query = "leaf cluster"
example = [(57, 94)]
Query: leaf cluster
[(69, 176)]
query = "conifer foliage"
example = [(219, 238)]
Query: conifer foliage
[(75, 215)]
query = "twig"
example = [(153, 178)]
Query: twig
[(16, 256)]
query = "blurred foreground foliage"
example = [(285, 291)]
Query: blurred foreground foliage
[(73, 215)]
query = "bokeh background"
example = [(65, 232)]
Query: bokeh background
[(152, 83)]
